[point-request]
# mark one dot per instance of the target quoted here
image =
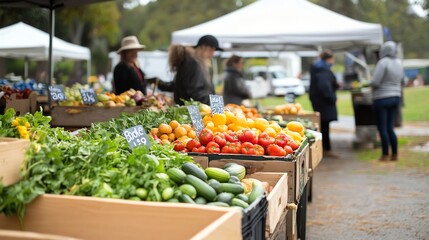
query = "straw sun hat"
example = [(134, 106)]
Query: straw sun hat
[(130, 42)]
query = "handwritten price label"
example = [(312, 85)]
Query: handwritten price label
[(88, 96), (136, 136), (216, 103), (57, 93), (197, 121)]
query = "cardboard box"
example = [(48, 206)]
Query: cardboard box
[(316, 153), (97, 218), (277, 198), (23, 106), (12, 154), (80, 117), (297, 168)]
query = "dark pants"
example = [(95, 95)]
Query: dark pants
[(385, 112), (326, 141)]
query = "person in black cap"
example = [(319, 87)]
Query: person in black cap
[(191, 66)]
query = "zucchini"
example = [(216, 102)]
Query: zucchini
[(177, 175), (239, 203), (173, 200), (218, 204), (217, 173), (215, 184), (190, 168), (243, 197), (257, 190), (235, 170), (188, 190), (232, 188), (200, 200), (234, 179), (167, 193), (186, 199), (225, 197), (203, 189)]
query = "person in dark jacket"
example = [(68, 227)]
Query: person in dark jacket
[(234, 90), (191, 66), (127, 73), (323, 85), (386, 93)]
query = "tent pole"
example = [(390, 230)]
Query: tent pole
[(50, 63), (25, 67), (88, 69)]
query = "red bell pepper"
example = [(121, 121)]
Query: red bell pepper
[(276, 150), (212, 147), (247, 148), (264, 140)]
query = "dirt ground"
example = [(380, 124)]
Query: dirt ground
[(354, 199)]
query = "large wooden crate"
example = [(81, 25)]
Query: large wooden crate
[(97, 218), (297, 168), (23, 106), (277, 198), (12, 154), (80, 117), (25, 235), (316, 153)]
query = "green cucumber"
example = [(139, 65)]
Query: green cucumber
[(173, 200), (239, 203), (243, 197), (200, 200), (203, 189), (234, 179), (189, 190), (225, 197), (257, 190), (215, 184), (192, 169), (186, 199), (232, 188), (218, 204), (217, 173), (235, 170), (177, 175), (167, 193)]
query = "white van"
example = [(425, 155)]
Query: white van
[(277, 82)]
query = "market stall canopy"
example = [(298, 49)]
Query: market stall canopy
[(24, 41), (284, 25)]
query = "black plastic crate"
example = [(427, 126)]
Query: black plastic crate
[(254, 219)]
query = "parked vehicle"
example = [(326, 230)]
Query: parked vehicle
[(277, 80)]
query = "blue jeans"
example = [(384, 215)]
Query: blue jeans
[(386, 110)]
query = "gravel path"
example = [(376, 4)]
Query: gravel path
[(367, 200)]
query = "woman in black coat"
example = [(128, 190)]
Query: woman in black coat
[(234, 90), (323, 85)]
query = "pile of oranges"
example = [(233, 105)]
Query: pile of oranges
[(172, 131)]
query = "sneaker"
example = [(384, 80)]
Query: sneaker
[(394, 157), (384, 158), (330, 154)]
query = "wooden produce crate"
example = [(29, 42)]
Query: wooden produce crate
[(23, 106), (311, 116), (296, 168), (24, 235), (12, 154), (84, 116), (316, 153), (97, 218), (277, 199)]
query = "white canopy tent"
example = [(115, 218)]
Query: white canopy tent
[(284, 25), (24, 41)]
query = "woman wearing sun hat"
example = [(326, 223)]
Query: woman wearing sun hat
[(127, 73)]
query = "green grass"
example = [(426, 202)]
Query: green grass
[(407, 157), (416, 107)]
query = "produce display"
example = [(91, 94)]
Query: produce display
[(19, 93), (251, 113), (288, 108)]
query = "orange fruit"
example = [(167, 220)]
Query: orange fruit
[(192, 134), (180, 132), (171, 137), (174, 124), (154, 132), (295, 126), (164, 137), (187, 127), (165, 128), (219, 119)]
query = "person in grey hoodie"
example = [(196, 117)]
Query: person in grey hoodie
[(234, 90), (386, 91)]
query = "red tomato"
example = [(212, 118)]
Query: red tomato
[(282, 139), (220, 139), (247, 148), (206, 136), (234, 148), (179, 146), (247, 136), (193, 143), (212, 147), (200, 149), (259, 150), (288, 149), (275, 150), (293, 145), (264, 140), (231, 137)]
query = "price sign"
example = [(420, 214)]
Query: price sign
[(136, 136), (197, 121), (57, 93), (216, 103), (88, 96), (290, 98)]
